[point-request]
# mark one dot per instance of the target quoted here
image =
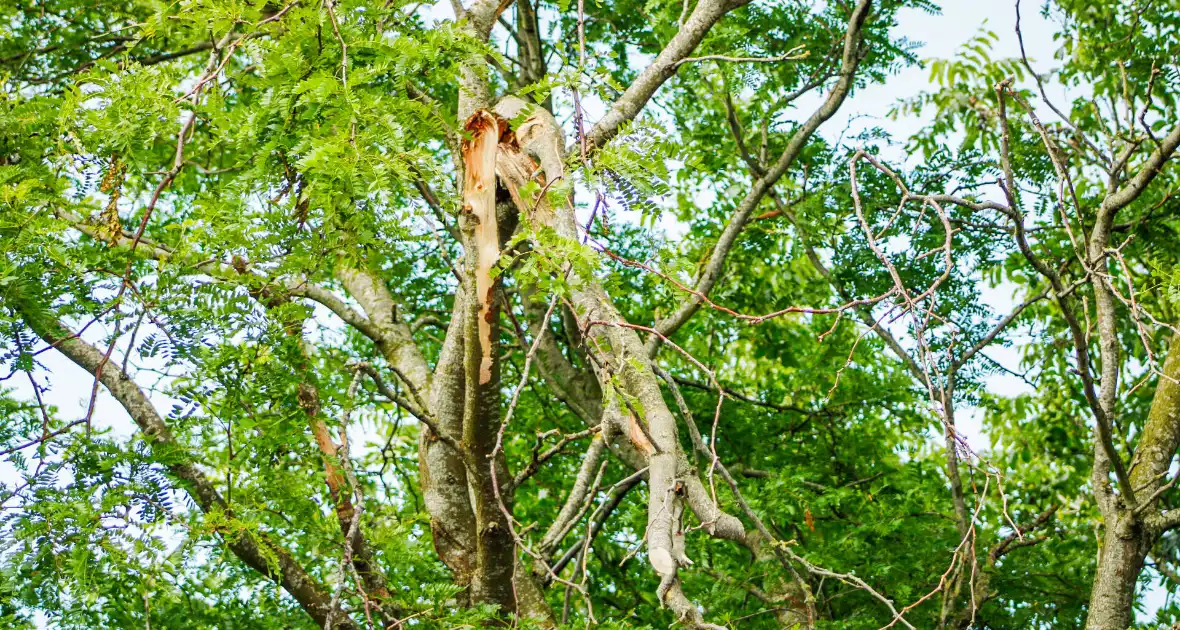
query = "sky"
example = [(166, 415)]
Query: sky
[(941, 36), (866, 108)]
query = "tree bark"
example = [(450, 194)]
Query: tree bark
[(442, 471), (622, 368), (1112, 597), (1135, 530)]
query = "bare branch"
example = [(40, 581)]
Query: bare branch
[(712, 269), (794, 54), (627, 107)]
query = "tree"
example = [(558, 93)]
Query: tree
[(430, 361)]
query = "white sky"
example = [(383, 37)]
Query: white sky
[(942, 35)]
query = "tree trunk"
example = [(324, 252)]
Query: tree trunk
[(442, 472), (1131, 536), (1112, 598)]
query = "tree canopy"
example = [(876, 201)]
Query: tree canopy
[(556, 314)]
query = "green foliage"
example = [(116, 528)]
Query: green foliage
[(965, 102), (324, 143)]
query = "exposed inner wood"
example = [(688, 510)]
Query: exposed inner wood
[(479, 198)]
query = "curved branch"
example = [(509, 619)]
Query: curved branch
[(712, 270), (258, 552), (627, 107)]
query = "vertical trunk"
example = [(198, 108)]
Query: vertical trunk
[(532, 57), (1131, 536), (495, 547), (441, 469), (492, 580), (479, 207), (459, 475), (1112, 598)]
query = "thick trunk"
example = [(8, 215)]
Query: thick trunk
[(464, 481), (443, 475), (495, 547), (1131, 536), (452, 480), (1112, 598)]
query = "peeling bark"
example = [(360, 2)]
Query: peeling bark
[(479, 200), (459, 476), (621, 363), (472, 368)]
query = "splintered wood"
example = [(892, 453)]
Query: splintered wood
[(492, 149), (479, 198), (638, 435)]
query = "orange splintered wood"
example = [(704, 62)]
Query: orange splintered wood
[(638, 435), (479, 198)]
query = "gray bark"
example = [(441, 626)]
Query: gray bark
[(1132, 522), (703, 17), (1130, 535), (442, 472), (1124, 549)]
